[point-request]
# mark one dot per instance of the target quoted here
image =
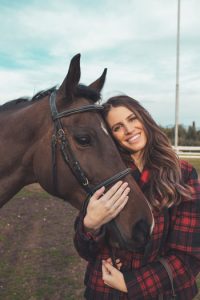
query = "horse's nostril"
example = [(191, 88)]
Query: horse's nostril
[(141, 232)]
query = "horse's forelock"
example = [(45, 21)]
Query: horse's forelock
[(87, 92)]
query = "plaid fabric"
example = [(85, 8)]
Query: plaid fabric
[(181, 250)]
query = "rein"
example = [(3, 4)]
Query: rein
[(59, 137)]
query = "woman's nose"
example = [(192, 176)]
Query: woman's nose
[(128, 128)]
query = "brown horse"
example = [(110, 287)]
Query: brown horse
[(64, 145)]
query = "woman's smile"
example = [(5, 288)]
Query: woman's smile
[(134, 138)]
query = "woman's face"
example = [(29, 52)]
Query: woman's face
[(127, 129)]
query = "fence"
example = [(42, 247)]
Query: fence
[(188, 151)]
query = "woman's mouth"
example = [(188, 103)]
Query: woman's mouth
[(134, 138)]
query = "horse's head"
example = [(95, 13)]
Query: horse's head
[(87, 142)]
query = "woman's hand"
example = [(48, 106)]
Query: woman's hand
[(104, 207), (113, 277), (117, 262)]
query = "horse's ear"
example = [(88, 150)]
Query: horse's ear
[(99, 83), (72, 78)]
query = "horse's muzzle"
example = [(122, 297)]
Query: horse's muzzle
[(141, 233)]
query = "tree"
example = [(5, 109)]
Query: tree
[(187, 136)]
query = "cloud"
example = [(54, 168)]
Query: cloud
[(136, 40)]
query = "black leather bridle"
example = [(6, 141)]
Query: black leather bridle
[(59, 137)]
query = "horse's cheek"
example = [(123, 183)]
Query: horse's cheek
[(42, 164)]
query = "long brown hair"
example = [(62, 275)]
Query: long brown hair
[(166, 186)]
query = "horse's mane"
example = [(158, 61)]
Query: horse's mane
[(23, 101), (80, 91)]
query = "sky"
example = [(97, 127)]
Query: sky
[(134, 39)]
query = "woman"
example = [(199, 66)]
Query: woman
[(172, 189)]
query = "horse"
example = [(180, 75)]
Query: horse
[(58, 139)]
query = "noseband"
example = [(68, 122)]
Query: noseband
[(59, 137)]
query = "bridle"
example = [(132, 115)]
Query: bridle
[(59, 137)]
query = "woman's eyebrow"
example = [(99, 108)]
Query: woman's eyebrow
[(131, 115)]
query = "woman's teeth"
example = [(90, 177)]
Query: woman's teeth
[(133, 138)]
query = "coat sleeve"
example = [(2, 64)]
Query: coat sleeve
[(87, 244), (182, 254)]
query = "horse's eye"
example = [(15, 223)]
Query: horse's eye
[(83, 140)]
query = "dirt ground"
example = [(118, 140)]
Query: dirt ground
[(37, 257)]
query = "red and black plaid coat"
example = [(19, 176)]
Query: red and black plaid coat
[(181, 250)]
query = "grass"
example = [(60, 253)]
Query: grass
[(41, 274), (196, 163), (28, 193), (38, 260), (198, 281)]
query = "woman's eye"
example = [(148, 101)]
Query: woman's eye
[(117, 128), (83, 140)]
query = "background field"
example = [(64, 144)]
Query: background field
[(196, 163), (37, 257)]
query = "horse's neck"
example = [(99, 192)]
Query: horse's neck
[(18, 136)]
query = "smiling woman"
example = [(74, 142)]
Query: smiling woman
[(168, 262), (128, 130)]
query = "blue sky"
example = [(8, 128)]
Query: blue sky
[(134, 39)]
